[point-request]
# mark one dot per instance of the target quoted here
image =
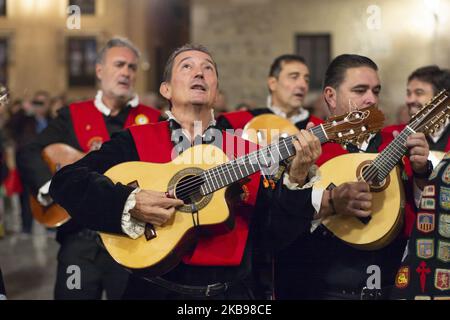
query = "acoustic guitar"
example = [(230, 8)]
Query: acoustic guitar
[(56, 156), (382, 174), (202, 188)]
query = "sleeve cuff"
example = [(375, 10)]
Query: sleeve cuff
[(313, 177), (316, 201), (43, 195), (131, 226)]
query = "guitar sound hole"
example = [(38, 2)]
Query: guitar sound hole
[(188, 189), (368, 172)]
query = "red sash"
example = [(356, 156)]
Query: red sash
[(153, 144), (238, 119), (90, 128)]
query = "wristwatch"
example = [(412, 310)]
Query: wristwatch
[(425, 174)]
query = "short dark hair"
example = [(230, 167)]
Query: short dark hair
[(335, 74), (437, 77), (277, 64), (114, 43), (187, 47)]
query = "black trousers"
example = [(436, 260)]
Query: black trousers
[(244, 286), (86, 270), (319, 266)]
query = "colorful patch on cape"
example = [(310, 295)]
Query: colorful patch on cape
[(443, 251), (428, 191), (425, 222), (402, 278), (425, 248), (444, 225), (427, 203), (444, 198), (141, 119), (442, 279)]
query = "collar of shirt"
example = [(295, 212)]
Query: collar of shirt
[(98, 102), (365, 144), (212, 123), (438, 134), (301, 116)]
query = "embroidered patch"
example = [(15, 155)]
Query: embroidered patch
[(402, 278), (436, 171), (427, 203), (422, 298), (443, 251), (425, 248), (444, 198), (446, 175), (444, 225), (423, 271), (428, 191), (95, 143), (141, 119), (425, 222), (442, 279)]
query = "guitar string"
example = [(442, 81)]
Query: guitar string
[(186, 183), (326, 126), (192, 183), (248, 160)]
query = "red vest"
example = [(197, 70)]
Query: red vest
[(153, 144), (90, 128)]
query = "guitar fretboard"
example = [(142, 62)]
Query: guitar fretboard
[(235, 170), (389, 157)]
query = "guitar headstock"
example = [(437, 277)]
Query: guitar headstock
[(433, 115), (355, 125)]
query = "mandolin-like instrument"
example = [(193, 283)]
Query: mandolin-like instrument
[(382, 174)]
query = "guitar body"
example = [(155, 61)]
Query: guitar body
[(163, 252), (56, 156), (387, 204), (265, 128), (52, 216)]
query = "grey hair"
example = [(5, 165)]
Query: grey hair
[(187, 47), (114, 43)]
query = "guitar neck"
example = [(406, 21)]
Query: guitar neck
[(389, 157), (260, 160)]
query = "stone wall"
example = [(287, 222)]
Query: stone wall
[(245, 36)]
